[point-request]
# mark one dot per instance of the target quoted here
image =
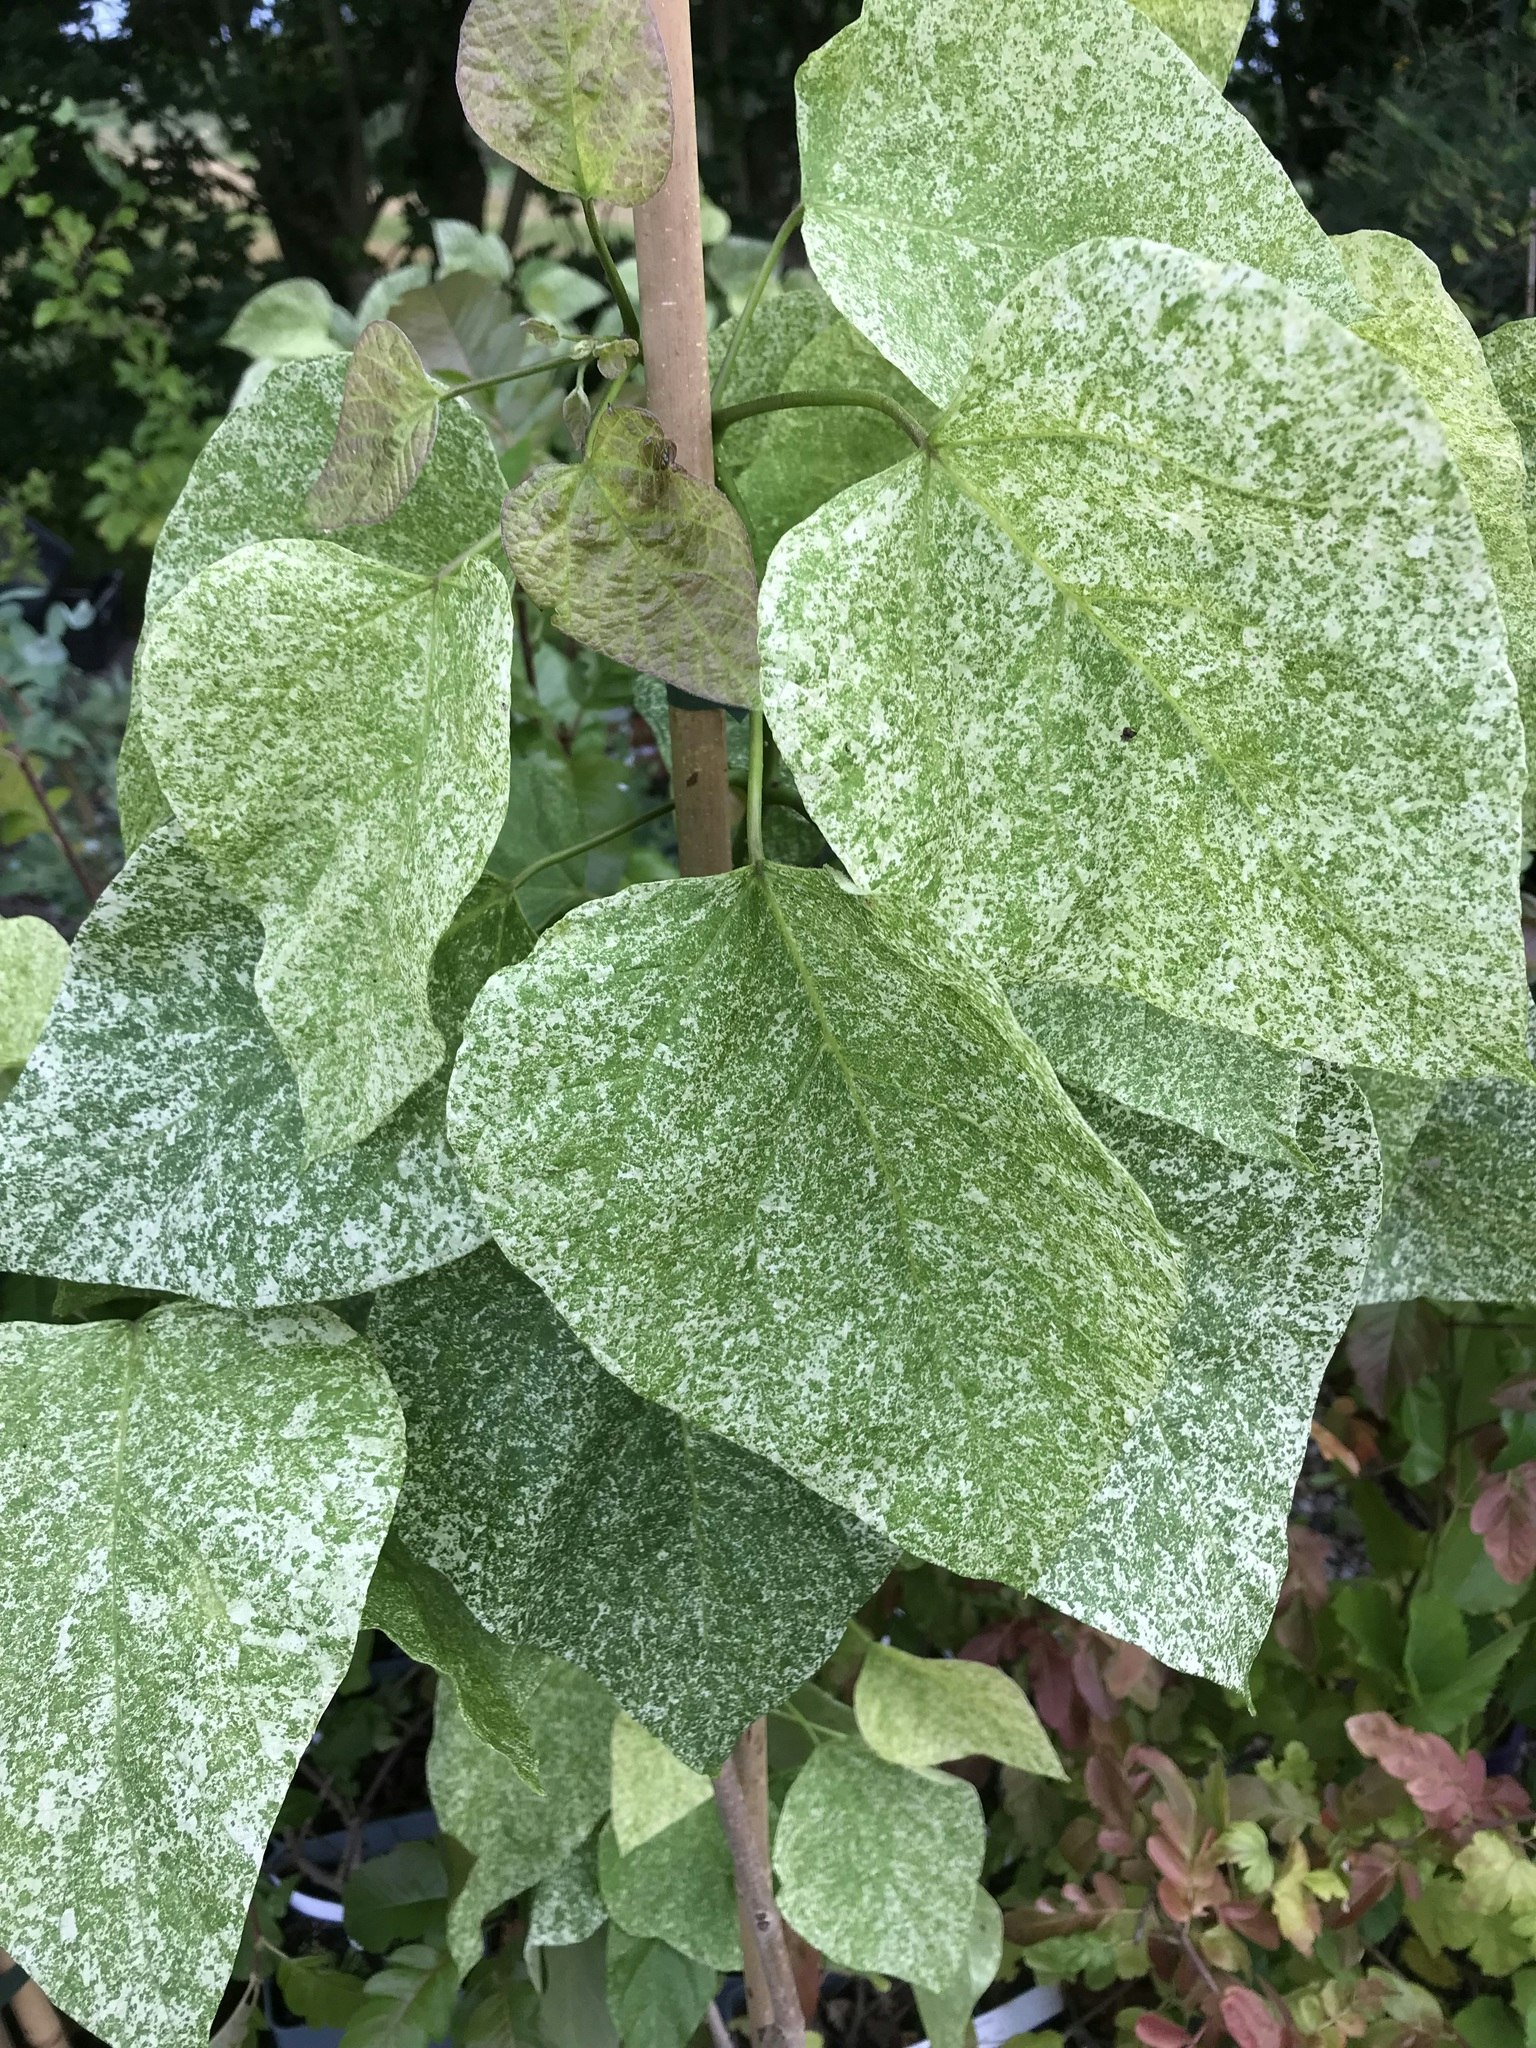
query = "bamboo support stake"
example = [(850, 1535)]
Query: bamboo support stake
[(674, 330), (33, 2012)]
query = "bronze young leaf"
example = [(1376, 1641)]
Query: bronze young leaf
[(384, 435)]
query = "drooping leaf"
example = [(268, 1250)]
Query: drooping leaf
[(1185, 642), (878, 1866), (156, 1140), (1207, 31), (33, 957), (934, 1710), (550, 1495), (634, 557), (516, 1835), (948, 147), (1415, 322), (381, 834), (652, 1788), (945, 2010), (287, 322), (1184, 1548), (705, 1118), (657, 1996), (677, 1887), (575, 91), (190, 1507), (418, 1608), (384, 434), (567, 1907)]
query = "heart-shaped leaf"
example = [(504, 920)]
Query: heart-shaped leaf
[(384, 434)]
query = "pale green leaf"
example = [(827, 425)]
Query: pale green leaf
[(946, 2009), (1207, 31), (1510, 352), (1176, 670), (331, 734), (156, 1140), (287, 322), (558, 291), (384, 434), (677, 1887), (575, 91), (33, 958), (629, 554), (566, 1906), (652, 1788), (386, 292), (1417, 323), (878, 1865), (934, 1710), (787, 1164), (1184, 1549), (516, 1835), (460, 245), (418, 1608), (657, 1996), (775, 335), (553, 1498), (190, 1507), (948, 147), (141, 804)]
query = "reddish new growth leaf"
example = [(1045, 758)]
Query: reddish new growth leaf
[(1504, 1515), (1153, 2031), (1452, 1792), (1335, 1452), (1251, 2020), (1306, 1579)]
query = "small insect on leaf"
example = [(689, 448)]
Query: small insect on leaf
[(384, 434)]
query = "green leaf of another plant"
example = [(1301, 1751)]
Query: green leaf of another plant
[(656, 1995), (33, 958), (933, 1710), (639, 560), (1187, 646), (407, 2004), (384, 434), (785, 1162), (1207, 31), (651, 1787), (399, 1896), (575, 91), (190, 1507), (677, 1887), (945, 2010)]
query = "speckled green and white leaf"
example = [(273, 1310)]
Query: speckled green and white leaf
[(945, 2010), (934, 1710), (775, 335), (253, 479), (948, 147), (418, 1608), (287, 322), (567, 1907), (156, 1138), (384, 434), (1178, 671), (1184, 1549), (656, 1996), (382, 833), (190, 1507), (786, 1163), (634, 557), (1207, 31), (575, 91), (33, 957), (1458, 1226), (878, 1865), (1239, 1091), (1510, 353), (141, 804), (518, 1836), (699, 1583), (1399, 1105), (652, 1788), (677, 1887), (1416, 322)]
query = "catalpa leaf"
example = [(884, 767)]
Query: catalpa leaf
[(190, 1507), (576, 92), (156, 1140), (677, 1887), (786, 1164), (934, 1710), (355, 868), (1183, 1550), (33, 958), (566, 1907), (652, 1788), (948, 147), (1207, 31), (384, 434), (629, 554), (878, 1865), (1417, 323), (516, 1835), (548, 1493), (1176, 668), (945, 2009), (656, 1996)]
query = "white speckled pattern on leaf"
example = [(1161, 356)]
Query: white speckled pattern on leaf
[(947, 147), (1184, 1549), (33, 958), (652, 1788), (677, 1887), (785, 1162), (1178, 671), (190, 1508), (566, 1907), (945, 2010), (1207, 31)]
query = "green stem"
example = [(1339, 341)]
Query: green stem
[(759, 286), (621, 298), (503, 377), (555, 860), (791, 401), (479, 547), (755, 790)]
